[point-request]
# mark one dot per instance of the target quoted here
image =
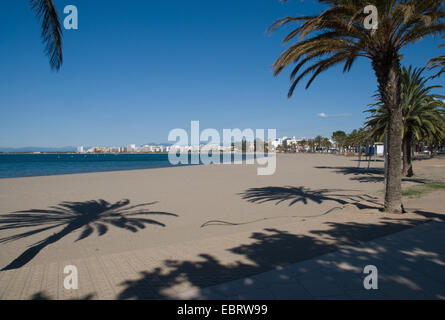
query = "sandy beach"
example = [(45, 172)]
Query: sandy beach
[(220, 215)]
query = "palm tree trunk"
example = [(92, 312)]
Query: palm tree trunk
[(31, 252), (407, 156), (410, 158), (387, 69)]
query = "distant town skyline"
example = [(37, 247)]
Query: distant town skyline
[(86, 147)]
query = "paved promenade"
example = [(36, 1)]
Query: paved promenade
[(410, 263)]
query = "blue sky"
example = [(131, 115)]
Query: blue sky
[(136, 69)]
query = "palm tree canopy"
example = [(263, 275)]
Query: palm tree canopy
[(357, 137), (438, 62), (69, 217), (423, 111), (51, 31), (338, 35), (88, 216)]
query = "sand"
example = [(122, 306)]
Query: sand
[(208, 210)]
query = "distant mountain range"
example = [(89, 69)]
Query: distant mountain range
[(61, 149), (39, 149), (158, 144)]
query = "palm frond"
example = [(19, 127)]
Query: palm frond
[(422, 111), (51, 31), (338, 35)]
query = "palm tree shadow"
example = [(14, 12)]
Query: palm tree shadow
[(274, 249), (365, 174), (43, 296), (86, 216), (304, 195), (359, 174)]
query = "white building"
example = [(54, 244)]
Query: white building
[(275, 143), (80, 149), (290, 141)]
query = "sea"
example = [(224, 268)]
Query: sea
[(44, 164)]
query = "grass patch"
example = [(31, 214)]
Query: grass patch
[(417, 191)]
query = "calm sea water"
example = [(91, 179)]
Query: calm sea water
[(28, 165)]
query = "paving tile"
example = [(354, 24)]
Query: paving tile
[(429, 285), (7, 277), (99, 279), (50, 285), (34, 286), (86, 287), (16, 287), (201, 294), (290, 292), (322, 287), (403, 289), (232, 288), (370, 294), (337, 297), (348, 281), (257, 294), (280, 277)]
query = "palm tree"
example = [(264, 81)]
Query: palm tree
[(339, 137), (357, 138), (338, 35), (317, 141), (438, 62), (351, 139), (51, 31), (303, 143), (68, 217), (326, 144), (422, 114), (311, 144)]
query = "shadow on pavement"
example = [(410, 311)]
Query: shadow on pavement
[(88, 216)]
